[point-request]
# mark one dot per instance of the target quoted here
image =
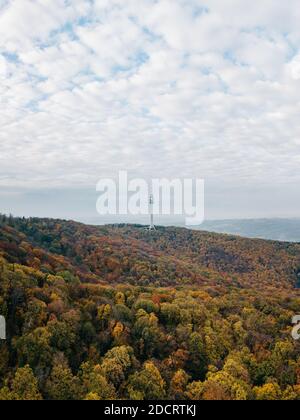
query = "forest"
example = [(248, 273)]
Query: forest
[(116, 312)]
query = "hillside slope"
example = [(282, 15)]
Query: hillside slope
[(167, 257), (118, 313)]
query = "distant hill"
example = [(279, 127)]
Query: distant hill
[(272, 229)]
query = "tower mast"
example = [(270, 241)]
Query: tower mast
[(151, 203)]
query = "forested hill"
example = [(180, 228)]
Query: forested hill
[(130, 254), (99, 313)]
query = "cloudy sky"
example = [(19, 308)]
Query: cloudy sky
[(190, 88)]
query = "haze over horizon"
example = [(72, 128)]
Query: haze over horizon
[(170, 88)]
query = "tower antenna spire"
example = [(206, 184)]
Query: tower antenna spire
[(151, 204)]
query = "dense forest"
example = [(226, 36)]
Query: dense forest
[(116, 312)]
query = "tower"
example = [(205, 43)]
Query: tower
[(151, 203)]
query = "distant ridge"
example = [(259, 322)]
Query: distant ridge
[(271, 229)]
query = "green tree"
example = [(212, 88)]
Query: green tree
[(117, 364), (147, 384), (198, 360), (62, 385), (35, 350), (24, 387), (94, 382)]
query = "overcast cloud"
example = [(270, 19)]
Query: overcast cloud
[(209, 89)]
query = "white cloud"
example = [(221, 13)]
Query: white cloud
[(294, 68), (206, 88)]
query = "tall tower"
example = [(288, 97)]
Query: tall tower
[(151, 203)]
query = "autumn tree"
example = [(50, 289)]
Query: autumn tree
[(94, 383), (117, 364), (147, 384), (270, 391), (178, 385), (24, 387), (62, 384)]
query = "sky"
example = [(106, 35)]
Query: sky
[(203, 89)]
